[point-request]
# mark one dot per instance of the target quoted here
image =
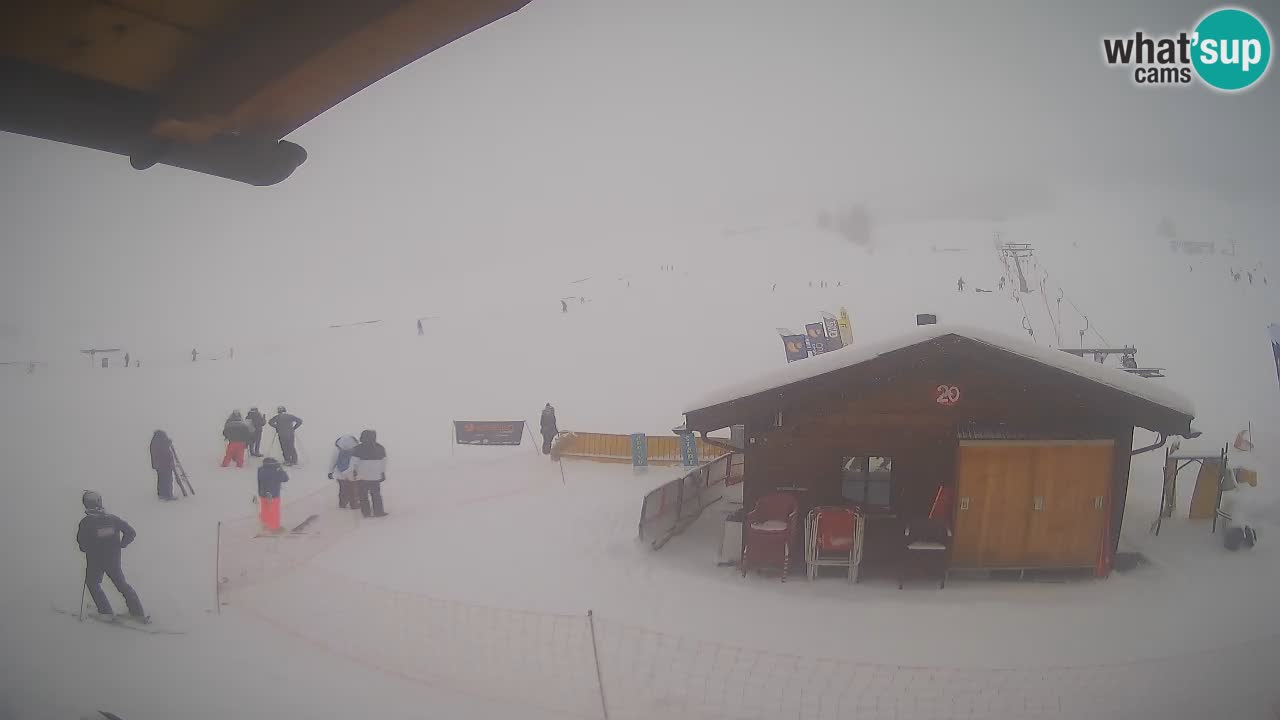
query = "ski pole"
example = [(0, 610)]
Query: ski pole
[(84, 585)]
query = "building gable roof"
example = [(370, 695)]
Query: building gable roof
[(1150, 404)]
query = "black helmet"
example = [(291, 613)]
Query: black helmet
[(91, 500)]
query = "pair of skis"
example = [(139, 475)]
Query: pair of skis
[(299, 529), (180, 474)]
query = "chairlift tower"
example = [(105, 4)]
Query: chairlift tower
[(1018, 251)]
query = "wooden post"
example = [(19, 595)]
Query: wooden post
[(595, 654), (217, 572)]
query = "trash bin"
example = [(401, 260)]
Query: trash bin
[(731, 541)]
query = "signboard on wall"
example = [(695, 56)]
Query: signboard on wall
[(639, 450), (688, 449), (796, 346), (488, 432), (817, 336)]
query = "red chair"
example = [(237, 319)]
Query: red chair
[(768, 532), (833, 538)]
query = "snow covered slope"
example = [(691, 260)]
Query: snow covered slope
[(500, 529)]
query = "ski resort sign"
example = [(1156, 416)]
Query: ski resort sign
[(488, 432)]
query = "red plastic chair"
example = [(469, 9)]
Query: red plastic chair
[(833, 538), (768, 532)]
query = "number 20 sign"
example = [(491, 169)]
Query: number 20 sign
[(948, 394)]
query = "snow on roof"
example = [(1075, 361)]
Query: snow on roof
[(1134, 385)]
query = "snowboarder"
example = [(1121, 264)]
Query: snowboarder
[(270, 479), (285, 425), (960, 285), (193, 354), (340, 470), (369, 470), (101, 536), (549, 429), (162, 463), (257, 421), (237, 433)]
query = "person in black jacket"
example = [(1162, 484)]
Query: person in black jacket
[(285, 425), (162, 463), (369, 470), (237, 434), (257, 421), (271, 477), (549, 429), (101, 537)]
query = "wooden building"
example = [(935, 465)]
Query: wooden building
[(1034, 444)]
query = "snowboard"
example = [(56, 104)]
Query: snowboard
[(124, 621)]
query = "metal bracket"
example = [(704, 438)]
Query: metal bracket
[(1038, 503), (1097, 502), (964, 503)]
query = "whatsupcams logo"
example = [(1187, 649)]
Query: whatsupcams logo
[(1229, 50)]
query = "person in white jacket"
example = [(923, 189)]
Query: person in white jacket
[(369, 470), (340, 470)]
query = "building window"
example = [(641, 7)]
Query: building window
[(867, 481)]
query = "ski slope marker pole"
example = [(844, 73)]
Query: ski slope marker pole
[(217, 572)]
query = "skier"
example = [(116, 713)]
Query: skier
[(285, 425), (549, 429), (126, 359), (270, 479), (1250, 274), (340, 470), (101, 537), (193, 354), (564, 306), (237, 433), (369, 470), (960, 285), (162, 463), (257, 420), (1001, 282), (419, 326)]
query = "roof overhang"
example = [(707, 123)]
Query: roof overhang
[(208, 85), (864, 372)]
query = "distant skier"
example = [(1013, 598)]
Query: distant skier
[(340, 470), (369, 470), (101, 536), (126, 359), (237, 433), (257, 421), (564, 306), (1001, 282), (162, 463), (271, 478), (549, 428), (1250, 277), (774, 288), (420, 326), (193, 354), (285, 426), (960, 285)]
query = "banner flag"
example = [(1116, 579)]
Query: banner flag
[(846, 329), (795, 347)]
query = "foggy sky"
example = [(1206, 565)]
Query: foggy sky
[(572, 125)]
